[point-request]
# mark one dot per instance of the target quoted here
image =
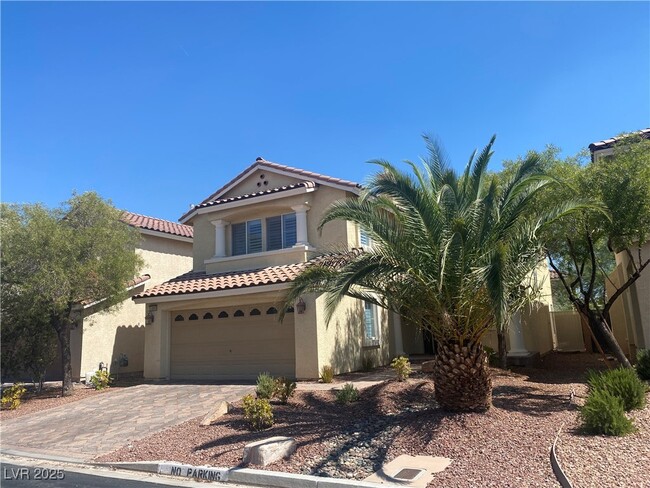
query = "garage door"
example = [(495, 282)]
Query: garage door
[(231, 343)]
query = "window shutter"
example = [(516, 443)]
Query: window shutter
[(254, 236), (364, 239), (289, 230), (239, 239), (273, 233)]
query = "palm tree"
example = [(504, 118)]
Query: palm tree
[(451, 253)]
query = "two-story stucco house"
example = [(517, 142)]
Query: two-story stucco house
[(251, 239), (116, 338)]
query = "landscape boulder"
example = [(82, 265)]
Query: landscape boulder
[(219, 411), (269, 450)]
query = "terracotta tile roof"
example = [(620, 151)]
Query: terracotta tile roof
[(607, 143), (197, 282), (160, 225), (138, 280), (304, 184), (281, 167)]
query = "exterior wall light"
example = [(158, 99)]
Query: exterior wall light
[(300, 306)]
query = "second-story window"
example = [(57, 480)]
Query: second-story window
[(247, 237), (364, 238), (280, 232)]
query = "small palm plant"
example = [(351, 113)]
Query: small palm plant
[(452, 253)]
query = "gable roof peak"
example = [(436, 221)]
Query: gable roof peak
[(296, 172)]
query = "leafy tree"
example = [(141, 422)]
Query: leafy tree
[(56, 260), (581, 248), (452, 253)]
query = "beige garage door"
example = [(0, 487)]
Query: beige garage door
[(231, 343)]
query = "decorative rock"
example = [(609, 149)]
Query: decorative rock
[(219, 411), (269, 450), (428, 366)]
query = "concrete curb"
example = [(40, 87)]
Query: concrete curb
[(271, 479), (555, 464)]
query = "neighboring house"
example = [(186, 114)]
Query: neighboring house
[(630, 315), (117, 338), (251, 239)]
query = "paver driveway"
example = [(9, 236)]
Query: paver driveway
[(99, 424)]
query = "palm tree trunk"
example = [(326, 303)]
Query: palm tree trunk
[(462, 378), (503, 349)]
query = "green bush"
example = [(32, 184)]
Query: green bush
[(327, 374), (603, 413), (402, 367), (623, 383), (257, 412), (347, 394), (265, 386), (284, 389), (12, 396), (101, 379), (643, 364)]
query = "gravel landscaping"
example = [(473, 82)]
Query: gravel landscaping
[(49, 397), (507, 446)]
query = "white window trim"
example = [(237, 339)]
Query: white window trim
[(371, 341), (287, 250)]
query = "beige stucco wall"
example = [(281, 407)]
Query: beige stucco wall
[(569, 331), (631, 312), (336, 235), (341, 341), (106, 335)]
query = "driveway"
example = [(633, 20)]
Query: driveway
[(82, 430)]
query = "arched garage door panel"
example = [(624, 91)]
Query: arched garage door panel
[(232, 348)]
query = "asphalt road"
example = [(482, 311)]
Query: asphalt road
[(12, 476)]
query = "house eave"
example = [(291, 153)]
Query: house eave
[(213, 294)]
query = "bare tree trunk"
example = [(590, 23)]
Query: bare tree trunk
[(503, 350), (63, 333)]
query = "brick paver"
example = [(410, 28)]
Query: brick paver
[(99, 424)]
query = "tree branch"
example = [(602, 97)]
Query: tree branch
[(572, 297), (633, 277)]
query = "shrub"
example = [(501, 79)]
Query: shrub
[(265, 386), (347, 394), (402, 367), (623, 383), (327, 374), (101, 379), (284, 389), (257, 412), (643, 364), (11, 396), (603, 413)]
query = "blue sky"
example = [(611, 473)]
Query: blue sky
[(155, 105)]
